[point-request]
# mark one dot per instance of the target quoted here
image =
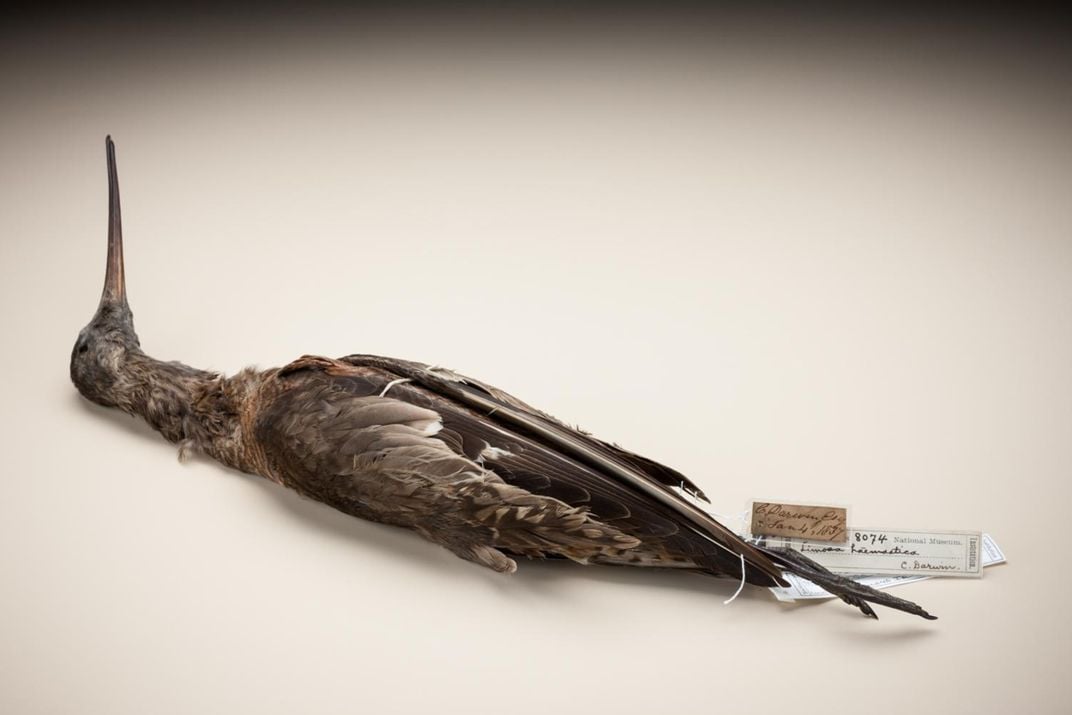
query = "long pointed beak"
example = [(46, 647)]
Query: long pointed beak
[(115, 285)]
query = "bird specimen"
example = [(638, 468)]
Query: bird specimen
[(465, 465)]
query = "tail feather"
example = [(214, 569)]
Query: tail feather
[(851, 592)]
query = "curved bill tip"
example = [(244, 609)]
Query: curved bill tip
[(115, 290)]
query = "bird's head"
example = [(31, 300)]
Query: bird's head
[(104, 345)]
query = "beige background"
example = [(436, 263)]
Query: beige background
[(793, 261)]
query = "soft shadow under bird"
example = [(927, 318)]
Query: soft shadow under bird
[(464, 464)]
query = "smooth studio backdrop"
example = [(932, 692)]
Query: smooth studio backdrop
[(793, 259)]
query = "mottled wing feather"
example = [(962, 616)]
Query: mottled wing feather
[(655, 471), (335, 438), (570, 460)]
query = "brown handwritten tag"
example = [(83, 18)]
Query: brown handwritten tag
[(801, 521)]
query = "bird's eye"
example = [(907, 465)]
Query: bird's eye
[(83, 349)]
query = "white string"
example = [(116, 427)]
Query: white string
[(392, 383), (721, 517), (740, 586)]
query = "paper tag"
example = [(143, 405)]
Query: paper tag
[(992, 553), (895, 552), (802, 589), (799, 521)]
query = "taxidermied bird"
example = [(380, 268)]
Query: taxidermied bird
[(462, 463)]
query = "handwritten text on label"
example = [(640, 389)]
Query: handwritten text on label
[(800, 521)]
